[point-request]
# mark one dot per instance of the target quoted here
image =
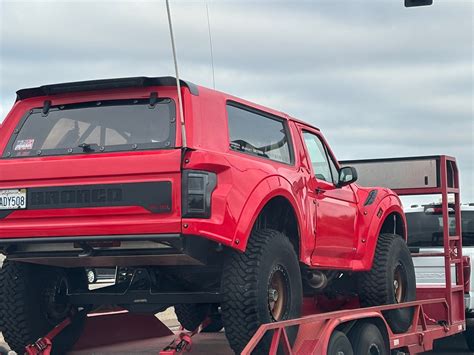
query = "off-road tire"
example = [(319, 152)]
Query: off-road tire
[(366, 339), (23, 315), (376, 287), (245, 288), (339, 344), (191, 316)]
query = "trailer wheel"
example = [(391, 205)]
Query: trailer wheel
[(191, 316), (366, 339), (261, 285), (339, 344), (32, 301), (391, 280)]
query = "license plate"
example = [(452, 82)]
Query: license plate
[(12, 199)]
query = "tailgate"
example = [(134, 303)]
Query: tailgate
[(137, 193), (92, 169)]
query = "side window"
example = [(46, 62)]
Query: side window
[(318, 156), (258, 134)]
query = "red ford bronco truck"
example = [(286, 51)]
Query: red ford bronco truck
[(239, 224)]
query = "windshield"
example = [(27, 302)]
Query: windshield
[(426, 230), (95, 127)]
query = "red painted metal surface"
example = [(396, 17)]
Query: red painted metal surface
[(246, 184), (315, 330)]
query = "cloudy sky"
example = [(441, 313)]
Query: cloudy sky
[(379, 79)]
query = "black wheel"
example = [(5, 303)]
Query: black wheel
[(391, 280), (190, 316), (91, 276), (469, 336), (33, 299), (366, 339), (262, 285), (339, 344)]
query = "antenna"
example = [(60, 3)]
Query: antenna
[(210, 46), (178, 83)]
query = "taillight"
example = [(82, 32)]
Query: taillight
[(197, 188)]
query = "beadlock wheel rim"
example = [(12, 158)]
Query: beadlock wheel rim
[(278, 292), (399, 283)]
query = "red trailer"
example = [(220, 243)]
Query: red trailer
[(438, 311)]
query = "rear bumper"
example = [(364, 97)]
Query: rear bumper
[(110, 250)]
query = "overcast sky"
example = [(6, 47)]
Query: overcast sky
[(379, 79)]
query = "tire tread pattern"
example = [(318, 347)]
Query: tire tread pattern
[(372, 284), (14, 323), (239, 288)]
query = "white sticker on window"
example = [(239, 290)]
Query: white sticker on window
[(24, 144)]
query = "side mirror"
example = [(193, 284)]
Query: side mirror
[(347, 175)]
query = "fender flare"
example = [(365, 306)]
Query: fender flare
[(269, 188), (389, 204)]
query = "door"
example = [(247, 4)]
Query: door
[(336, 208)]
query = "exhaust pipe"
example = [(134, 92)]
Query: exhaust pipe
[(317, 279)]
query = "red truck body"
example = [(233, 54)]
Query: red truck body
[(336, 230), (251, 215)]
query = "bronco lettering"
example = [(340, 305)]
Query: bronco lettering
[(75, 196)]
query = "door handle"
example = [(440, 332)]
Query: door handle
[(320, 190)]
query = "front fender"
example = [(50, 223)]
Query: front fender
[(368, 241), (270, 187)]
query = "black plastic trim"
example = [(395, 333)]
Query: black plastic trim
[(371, 197), (104, 84), (172, 237), (4, 213)]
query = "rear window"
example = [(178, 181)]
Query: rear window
[(426, 230), (102, 126), (258, 134)]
